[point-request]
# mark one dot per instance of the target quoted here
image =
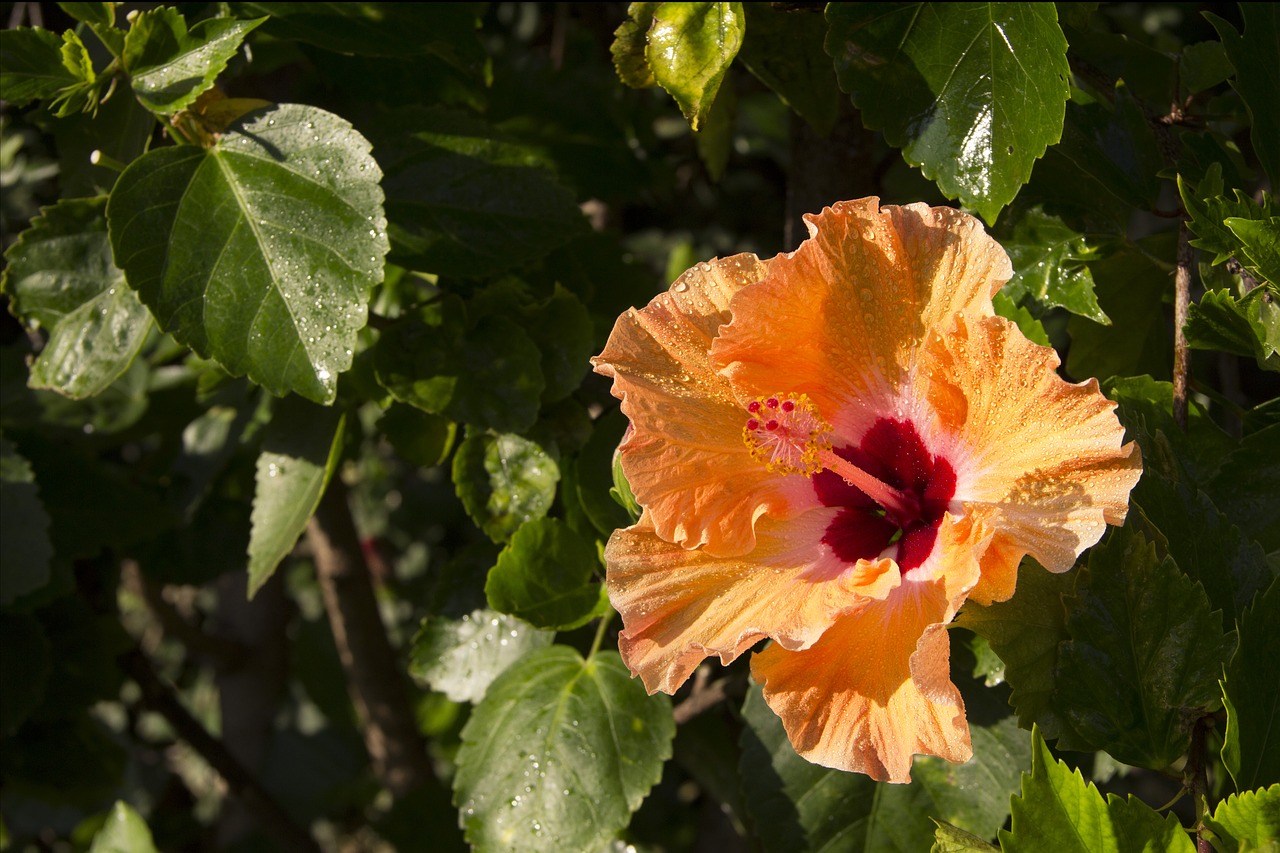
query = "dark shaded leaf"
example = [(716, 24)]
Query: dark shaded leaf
[(1025, 633), (1251, 694), (485, 373), (421, 438), (973, 93), (629, 42), (24, 668), (1130, 288), (32, 68), (278, 228), (465, 201), (547, 576), (784, 50), (796, 805), (1248, 327), (1257, 77), (25, 551), (559, 753), (1144, 656)]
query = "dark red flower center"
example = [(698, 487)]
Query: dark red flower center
[(892, 452)]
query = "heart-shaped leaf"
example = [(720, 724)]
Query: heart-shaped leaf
[(259, 252)]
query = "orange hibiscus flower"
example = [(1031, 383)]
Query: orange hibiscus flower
[(835, 449)]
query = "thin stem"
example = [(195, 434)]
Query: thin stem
[(600, 631), (1181, 307), (887, 496), (1197, 780)]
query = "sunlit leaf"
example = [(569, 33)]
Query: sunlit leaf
[(169, 66), (31, 66), (1049, 266), (503, 481), (1249, 326), (1059, 811), (689, 49), (559, 753), (277, 229), (972, 93), (61, 276), (461, 657), (300, 450), (124, 830), (1247, 821), (629, 42)]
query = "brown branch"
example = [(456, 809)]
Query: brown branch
[(1181, 307), (159, 697), (374, 679), (705, 695), (217, 650), (1196, 778)]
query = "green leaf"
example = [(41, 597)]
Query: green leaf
[(1209, 208), (461, 657), (1249, 326), (714, 141), (559, 753), (801, 806), (1129, 283), (124, 830), (25, 674), (84, 95), (170, 67), (689, 49), (1025, 632), (951, 839), (102, 14), (598, 472), (546, 576), (25, 550), (61, 276), (278, 229), (1027, 324), (448, 30), (486, 373), (1058, 811), (1049, 266), (503, 481), (1244, 486), (422, 439), (1207, 547), (1251, 745), (1257, 78), (300, 450), (629, 41), (1247, 821), (1144, 656), (31, 66), (784, 51), (1203, 65), (463, 200), (561, 327), (1261, 241), (973, 93)]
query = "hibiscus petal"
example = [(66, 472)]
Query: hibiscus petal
[(1045, 455), (840, 319), (685, 457), (679, 606), (876, 688)]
